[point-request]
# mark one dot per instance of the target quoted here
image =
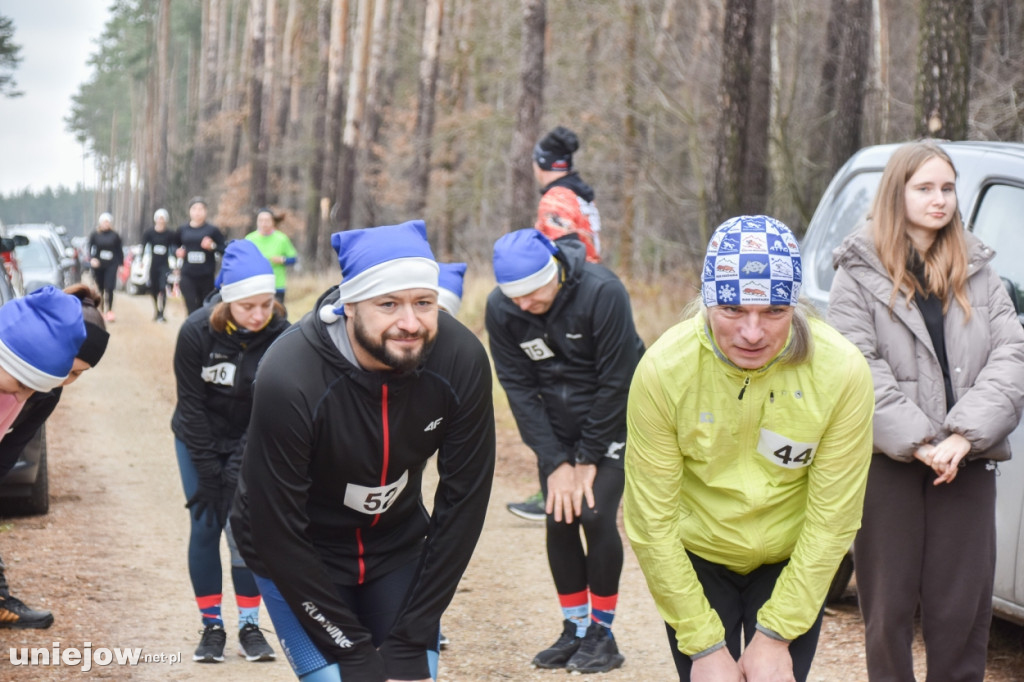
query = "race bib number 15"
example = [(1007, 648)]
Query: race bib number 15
[(785, 452), (374, 500)]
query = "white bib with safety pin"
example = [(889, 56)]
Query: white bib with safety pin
[(536, 349), (374, 500), (222, 374), (784, 452), (196, 257)]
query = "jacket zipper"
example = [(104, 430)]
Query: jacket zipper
[(746, 382)]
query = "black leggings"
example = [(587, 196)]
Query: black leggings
[(194, 290), (106, 282), (600, 566), (737, 599), (158, 287)]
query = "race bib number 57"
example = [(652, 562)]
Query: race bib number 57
[(374, 500), (785, 452)]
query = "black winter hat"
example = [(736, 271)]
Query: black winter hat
[(554, 151)]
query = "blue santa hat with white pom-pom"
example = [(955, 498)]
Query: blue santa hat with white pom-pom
[(752, 260), (449, 286), (524, 261), (381, 260), (40, 334)]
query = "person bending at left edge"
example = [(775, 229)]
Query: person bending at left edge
[(349, 405), (40, 334), (746, 463)]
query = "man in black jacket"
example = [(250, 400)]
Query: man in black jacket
[(349, 405), (564, 347)]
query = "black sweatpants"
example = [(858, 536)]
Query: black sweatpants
[(933, 547), (600, 566), (737, 599)]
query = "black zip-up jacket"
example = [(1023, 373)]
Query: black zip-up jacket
[(574, 182), (214, 373), (33, 415), (105, 245), (199, 262), (162, 245), (330, 490), (567, 372)]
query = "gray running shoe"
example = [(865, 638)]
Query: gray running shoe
[(531, 509)]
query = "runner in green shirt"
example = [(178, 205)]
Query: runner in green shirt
[(275, 246)]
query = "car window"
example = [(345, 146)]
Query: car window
[(848, 210), (34, 255), (997, 223)]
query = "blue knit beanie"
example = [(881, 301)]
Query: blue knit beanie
[(752, 260), (40, 334), (524, 261), (244, 272), (449, 286)]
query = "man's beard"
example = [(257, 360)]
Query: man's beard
[(378, 349)]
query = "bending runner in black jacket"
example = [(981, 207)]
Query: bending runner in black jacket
[(349, 405), (219, 347), (564, 347)]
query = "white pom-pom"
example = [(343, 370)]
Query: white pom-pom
[(328, 315)]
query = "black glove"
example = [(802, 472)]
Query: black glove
[(209, 498)]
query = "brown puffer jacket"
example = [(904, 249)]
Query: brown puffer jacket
[(985, 354)]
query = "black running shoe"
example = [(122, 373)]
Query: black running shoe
[(597, 653), (15, 614), (559, 653), (253, 645), (211, 645)]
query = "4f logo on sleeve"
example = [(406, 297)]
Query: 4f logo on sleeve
[(536, 349), (784, 452)]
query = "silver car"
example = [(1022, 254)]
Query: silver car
[(990, 194)]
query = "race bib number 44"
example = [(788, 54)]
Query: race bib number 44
[(784, 452), (374, 500)]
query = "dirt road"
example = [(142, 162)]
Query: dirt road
[(109, 559)]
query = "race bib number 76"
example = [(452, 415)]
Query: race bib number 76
[(784, 452), (374, 500)]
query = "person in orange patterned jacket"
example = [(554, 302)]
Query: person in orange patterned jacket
[(566, 203)]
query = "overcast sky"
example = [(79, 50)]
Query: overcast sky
[(57, 38)]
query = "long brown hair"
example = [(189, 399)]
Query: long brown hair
[(220, 316), (90, 299), (945, 263)]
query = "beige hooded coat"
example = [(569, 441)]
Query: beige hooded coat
[(985, 353)]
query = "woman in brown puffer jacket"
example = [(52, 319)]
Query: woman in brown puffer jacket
[(917, 295)]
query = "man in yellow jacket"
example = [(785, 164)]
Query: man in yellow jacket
[(747, 457)]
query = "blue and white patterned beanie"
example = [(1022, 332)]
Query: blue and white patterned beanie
[(524, 261), (244, 272), (40, 334), (380, 260), (449, 286), (752, 260)]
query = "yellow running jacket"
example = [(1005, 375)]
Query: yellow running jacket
[(745, 468)]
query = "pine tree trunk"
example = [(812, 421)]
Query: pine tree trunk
[(734, 108), (257, 144), (335, 106), (269, 142), (314, 220), (522, 191), (754, 195), (944, 69), (630, 152), (163, 93), (425, 108), (354, 113)]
